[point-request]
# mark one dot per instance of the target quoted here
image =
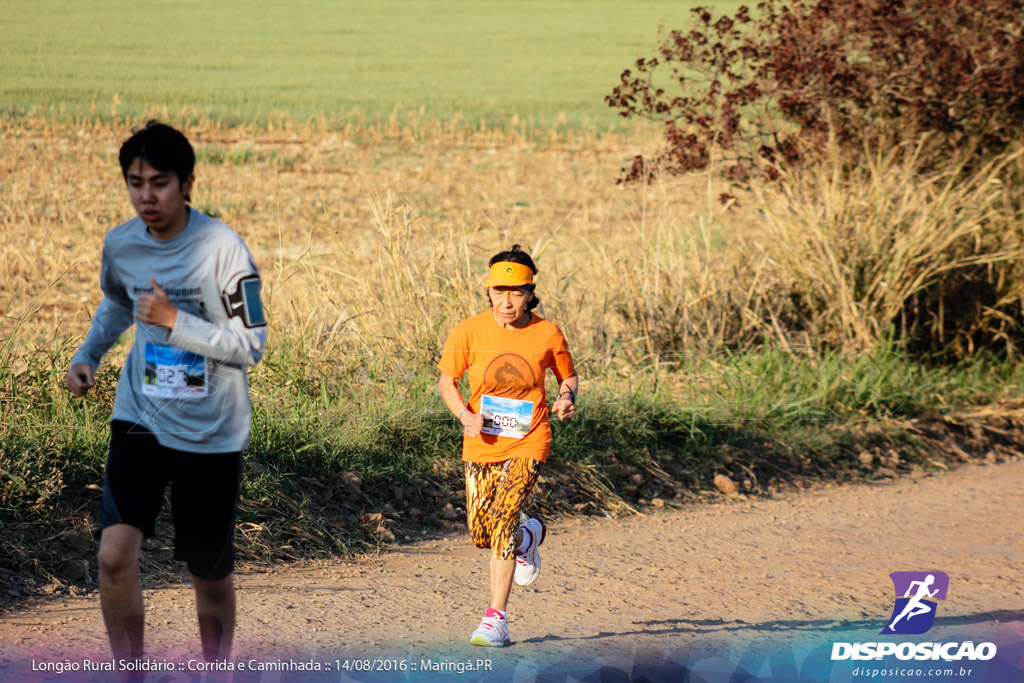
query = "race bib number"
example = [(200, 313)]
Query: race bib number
[(506, 416), (174, 373)]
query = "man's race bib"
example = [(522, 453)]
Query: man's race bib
[(173, 373), (506, 416)]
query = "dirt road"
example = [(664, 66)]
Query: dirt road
[(683, 586)]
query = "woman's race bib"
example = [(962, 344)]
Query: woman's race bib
[(174, 373), (506, 416)]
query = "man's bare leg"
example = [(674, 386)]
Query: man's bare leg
[(215, 606), (121, 590)]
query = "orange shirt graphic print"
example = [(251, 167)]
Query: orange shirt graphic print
[(509, 375)]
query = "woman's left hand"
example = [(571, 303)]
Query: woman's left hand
[(564, 409)]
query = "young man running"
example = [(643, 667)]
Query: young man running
[(182, 412)]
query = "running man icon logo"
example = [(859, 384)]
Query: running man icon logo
[(916, 593)]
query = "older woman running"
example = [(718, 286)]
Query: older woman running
[(506, 432)]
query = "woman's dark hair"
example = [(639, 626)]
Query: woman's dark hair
[(161, 146), (517, 255)]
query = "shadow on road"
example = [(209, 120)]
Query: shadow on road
[(705, 626)]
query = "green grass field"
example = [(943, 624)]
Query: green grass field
[(239, 61)]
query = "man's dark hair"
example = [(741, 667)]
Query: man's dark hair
[(517, 255), (161, 146)]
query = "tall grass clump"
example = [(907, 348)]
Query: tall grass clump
[(887, 250), (677, 293), (415, 290), (895, 248)]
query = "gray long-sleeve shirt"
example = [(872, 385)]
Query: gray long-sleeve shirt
[(189, 385)]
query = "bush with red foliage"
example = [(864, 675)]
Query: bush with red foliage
[(757, 91)]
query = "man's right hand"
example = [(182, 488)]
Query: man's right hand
[(80, 379)]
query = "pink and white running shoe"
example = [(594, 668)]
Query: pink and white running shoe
[(528, 562), (492, 631)]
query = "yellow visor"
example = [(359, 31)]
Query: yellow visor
[(509, 274)]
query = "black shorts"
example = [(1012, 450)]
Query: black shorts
[(204, 496)]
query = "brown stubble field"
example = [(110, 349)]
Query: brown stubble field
[(359, 230)]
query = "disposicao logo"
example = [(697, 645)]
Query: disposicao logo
[(913, 614), (916, 593)]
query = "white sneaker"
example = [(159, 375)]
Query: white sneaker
[(492, 631), (528, 563)]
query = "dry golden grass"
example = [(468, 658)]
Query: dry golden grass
[(937, 250), (373, 239), (372, 233)]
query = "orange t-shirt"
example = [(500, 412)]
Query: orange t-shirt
[(506, 383)]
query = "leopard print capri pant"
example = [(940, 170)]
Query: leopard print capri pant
[(495, 493)]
